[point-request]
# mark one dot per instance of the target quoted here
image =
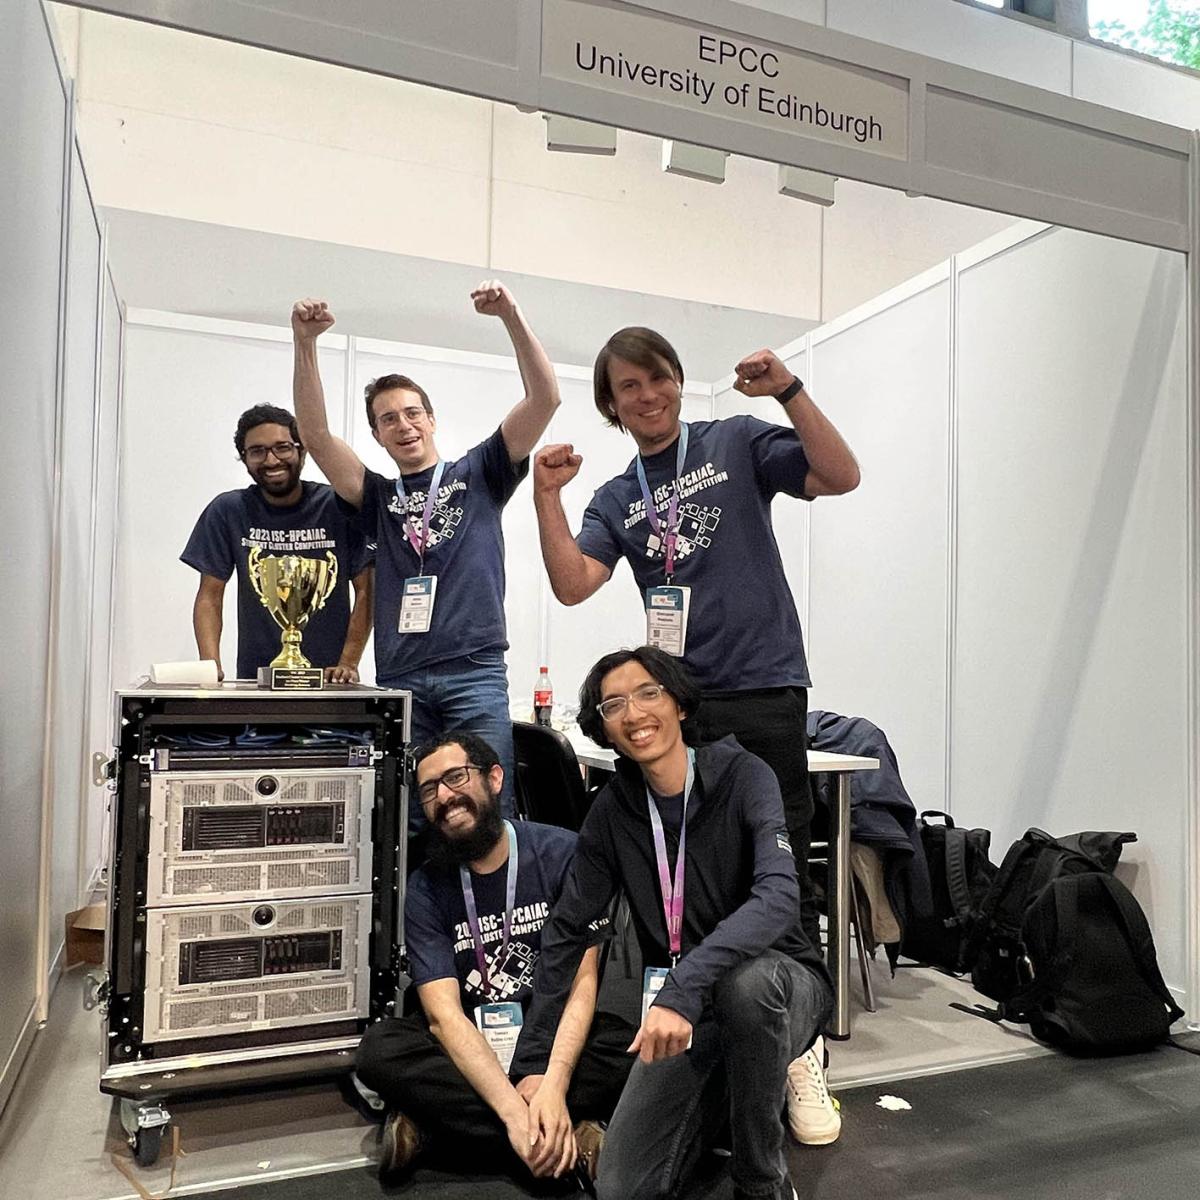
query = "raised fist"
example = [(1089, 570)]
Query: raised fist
[(554, 467), (492, 299), (310, 319), (761, 374)]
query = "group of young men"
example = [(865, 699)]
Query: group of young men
[(508, 1057)]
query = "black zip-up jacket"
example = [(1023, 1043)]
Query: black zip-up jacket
[(740, 891)]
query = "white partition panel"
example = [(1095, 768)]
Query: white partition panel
[(105, 533), (73, 616), (878, 611), (31, 179), (184, 390), (471, 394), (614, 616), (1070, 685)]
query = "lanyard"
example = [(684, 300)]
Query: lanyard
[(419, 539), (510, 899), (673, 521), (672, 893)]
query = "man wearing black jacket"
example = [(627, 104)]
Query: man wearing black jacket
[(734, 994)]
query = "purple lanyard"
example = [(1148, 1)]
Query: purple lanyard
[(419, 538), (672, 893), (510, 899), (671, 532)]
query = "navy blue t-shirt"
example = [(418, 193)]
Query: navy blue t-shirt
[(465, 552), (742, 630), (237, 521), (435, 918)]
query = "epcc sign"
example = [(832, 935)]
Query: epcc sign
[(752, 61)]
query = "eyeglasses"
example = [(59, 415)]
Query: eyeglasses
[(282, 451), (392, 417), (455, 779), (614, 706)]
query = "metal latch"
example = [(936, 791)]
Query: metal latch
[(104, 769), (96, 988)]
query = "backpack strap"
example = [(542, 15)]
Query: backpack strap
[(947, 819), (1017, 853), (956, 874), (1137, 933)]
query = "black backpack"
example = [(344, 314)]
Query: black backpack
[(1063, 946), (960, 873)]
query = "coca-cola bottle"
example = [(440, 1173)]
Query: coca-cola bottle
[(543, 697)]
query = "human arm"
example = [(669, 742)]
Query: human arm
[(574, 576), (477, 1063), (358, 629), (576, 918), (832, 467), (769, 910), (208, 619), (343, 468), (549, 1120), (527, 420)]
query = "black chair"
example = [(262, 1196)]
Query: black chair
[(549, 783)]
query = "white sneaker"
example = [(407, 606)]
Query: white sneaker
[(813, 1116)]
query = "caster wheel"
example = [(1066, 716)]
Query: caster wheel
[(147, 1145)]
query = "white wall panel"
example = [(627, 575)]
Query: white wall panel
[(73, 617), (614, 617), (1134, 85), (1070, 700), (31, 162), (470, 398), (184, 391), (878, 612)]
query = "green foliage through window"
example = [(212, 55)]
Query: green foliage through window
[(1171, 31)]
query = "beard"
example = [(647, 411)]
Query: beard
[(455, 850), (279, 487)]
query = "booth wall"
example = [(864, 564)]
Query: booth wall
[(1005, 595), (52, 493)]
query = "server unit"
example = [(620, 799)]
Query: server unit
[(255, 888)]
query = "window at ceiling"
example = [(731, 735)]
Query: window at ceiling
[(1042, 9), (1166, 29)]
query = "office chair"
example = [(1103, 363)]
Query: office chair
[(549, 783)]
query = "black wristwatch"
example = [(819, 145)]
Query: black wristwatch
[(793, 389)]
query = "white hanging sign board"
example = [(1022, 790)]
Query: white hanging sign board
[(713, 71)]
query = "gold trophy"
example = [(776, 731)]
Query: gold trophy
[(291, 588)]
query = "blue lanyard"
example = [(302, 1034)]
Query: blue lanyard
[(510, 900), (419, 539), (671, 532), (672, 892)]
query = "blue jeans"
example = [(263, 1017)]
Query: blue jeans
[(764, 1013), (468, 693)]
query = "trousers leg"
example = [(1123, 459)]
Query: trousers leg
[(668, 1111), (769, 1009), (772, 725), (401, 1060)]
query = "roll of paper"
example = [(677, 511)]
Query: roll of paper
[(202, 674)]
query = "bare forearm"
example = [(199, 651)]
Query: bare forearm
[(479, 1066), (565, 564), (308, 395), (207, 623), (528, 420), (576, 1021), (359, 627), (830, 459)]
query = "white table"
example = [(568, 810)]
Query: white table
[(597, 758)]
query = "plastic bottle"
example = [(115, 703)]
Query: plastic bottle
[(543, 697)]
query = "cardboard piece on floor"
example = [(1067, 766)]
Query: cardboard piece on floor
[(85, 935)]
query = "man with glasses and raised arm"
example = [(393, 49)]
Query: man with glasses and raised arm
[(473, 916), (279, 513), (439, 602), (734, 994)]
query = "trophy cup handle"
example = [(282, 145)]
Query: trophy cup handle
[(252, 570), (331, 581)]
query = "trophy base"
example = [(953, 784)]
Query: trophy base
[(291, 679)]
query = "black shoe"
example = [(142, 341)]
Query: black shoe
[(399, 1144)]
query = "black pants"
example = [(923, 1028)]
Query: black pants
[(401, 1060), (771, 723)]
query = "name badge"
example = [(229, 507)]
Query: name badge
[(500, 1025), (653, 979), (416, 604), (666, 618)]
